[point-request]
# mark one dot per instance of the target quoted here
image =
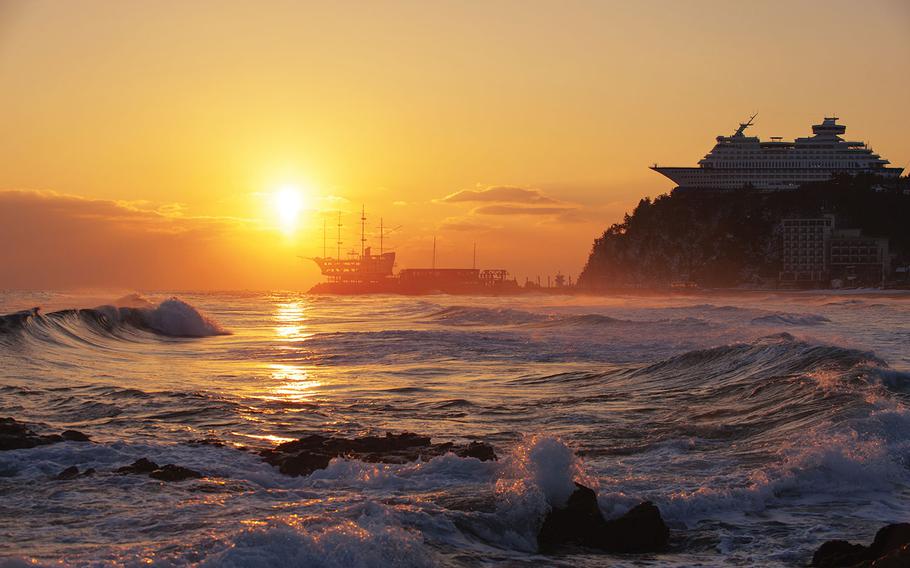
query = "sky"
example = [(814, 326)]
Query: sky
[(147, 145)]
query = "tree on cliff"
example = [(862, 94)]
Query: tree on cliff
[(721, 239)]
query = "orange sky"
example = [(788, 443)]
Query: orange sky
[(141, 141)]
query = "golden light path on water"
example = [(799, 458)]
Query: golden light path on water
[(294, 383), (288, 384)]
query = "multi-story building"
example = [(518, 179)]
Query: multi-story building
[(856, 259), (804, 249), (813, 252)]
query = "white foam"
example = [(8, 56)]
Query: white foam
[(177, 318), (371, 539), (537, 476)]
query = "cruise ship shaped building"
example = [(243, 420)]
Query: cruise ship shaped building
[(741, 161)]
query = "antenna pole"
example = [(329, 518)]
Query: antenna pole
[(381, 236), (323, 237)]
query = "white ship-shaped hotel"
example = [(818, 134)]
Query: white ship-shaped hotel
[(741, 161)]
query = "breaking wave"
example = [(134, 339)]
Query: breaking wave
[(476, 316), (171, 318), (473, 316), (791, 319), (747, 443)]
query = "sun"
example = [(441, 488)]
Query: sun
[(288, 202)]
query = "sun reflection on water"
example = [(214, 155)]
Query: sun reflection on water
[(289, 382), (290, 318), (295, 384)]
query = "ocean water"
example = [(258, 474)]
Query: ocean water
[(760, 424)]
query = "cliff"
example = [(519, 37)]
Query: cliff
[(730, 238)]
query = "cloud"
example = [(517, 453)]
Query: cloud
[(510, 200), (464, 224), (520, 210), (500, 194), (65, 241)]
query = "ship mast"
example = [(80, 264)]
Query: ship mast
[(324, 234), (338, 251), (434, 252), (363, 239), (744, 125), (474, 260), (380, 236)]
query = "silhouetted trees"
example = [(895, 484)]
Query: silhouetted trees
[(727, 238)]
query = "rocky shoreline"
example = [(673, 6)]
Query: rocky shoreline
[(579, 525)]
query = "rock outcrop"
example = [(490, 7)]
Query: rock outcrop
[(72, 472), (889, 549), (310, 453), (580, 523), (168, 472), (171, 472), (16, 436)]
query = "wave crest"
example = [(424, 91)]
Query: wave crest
[(171, 318)]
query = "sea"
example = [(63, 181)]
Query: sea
[(761, 424)]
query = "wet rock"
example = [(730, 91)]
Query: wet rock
[(72, 472), (580, 523), (142, 465), (899, 558), (303, 463), (306, 455), (891, 547), (16, 436), (171, 472), (69, 473), (479, 450), (890, 538), (642, 529), (215, 442), (74, 436), (576, 523), (168, 472)]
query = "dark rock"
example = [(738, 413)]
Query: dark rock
[(838, 553), (142, 465), (479, 450), (69, 473), (576, 523), (171, 472), (890, 538), (306, 455), (88, 472), (303, 463), (898, 558), (74, 436), (640, 530), (890, 547), (581, 523), (215, 442), (16, 436)]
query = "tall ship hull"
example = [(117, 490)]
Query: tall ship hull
[(741, 161), (369, 273)]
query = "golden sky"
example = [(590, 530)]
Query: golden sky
[(142, 142)]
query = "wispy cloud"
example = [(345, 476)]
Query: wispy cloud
[(466, 224), (520, 210), (500, 194)]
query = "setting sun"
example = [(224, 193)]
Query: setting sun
[(288, 203)]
